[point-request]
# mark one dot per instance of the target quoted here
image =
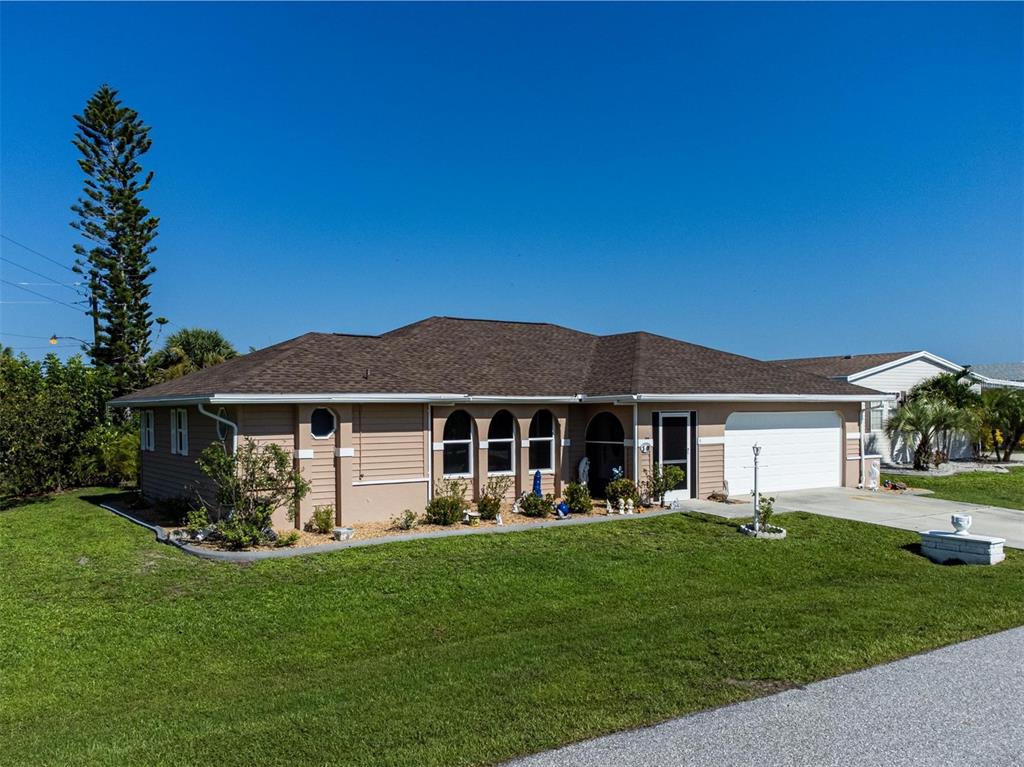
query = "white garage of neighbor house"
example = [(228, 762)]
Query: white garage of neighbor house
[(893, 373), (374, 422)]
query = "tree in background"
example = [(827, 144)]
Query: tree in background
[(111, 139), (952, 388), (52, 430), (921, 420), (189, 350), (1001, 417)]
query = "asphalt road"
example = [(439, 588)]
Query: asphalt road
[(959, 705)]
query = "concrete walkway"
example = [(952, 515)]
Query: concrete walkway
[(907, 512), (960, 705)]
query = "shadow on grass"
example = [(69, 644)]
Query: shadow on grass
[(9, 504), (915, 548), (131, 503)]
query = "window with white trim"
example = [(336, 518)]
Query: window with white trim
[(222, 428), (501, 444), (542, 441), (457, 445), (876, 416), (179, 431), (321, 423), (147, 430)]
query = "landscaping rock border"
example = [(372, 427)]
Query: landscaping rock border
[(220, 555), (768, 533)]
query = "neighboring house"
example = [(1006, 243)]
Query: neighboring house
[(999, 374), (375, 421), (891, 373)]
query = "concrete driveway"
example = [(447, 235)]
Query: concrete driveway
[(907, 512)]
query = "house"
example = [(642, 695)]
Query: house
[(894, 373), (999, 374), (375, 421)]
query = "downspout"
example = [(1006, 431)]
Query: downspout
[(221, 419), (636, 444), (863, 479), (430, 453)]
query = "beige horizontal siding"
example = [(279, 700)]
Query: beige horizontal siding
[(389, 441), (166, 476), (853, 448), (319, 472), (710, 469)]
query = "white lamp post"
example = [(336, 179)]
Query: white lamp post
[(757, 495)]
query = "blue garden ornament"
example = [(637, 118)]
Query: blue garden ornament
[(562, 510), (536, 483)]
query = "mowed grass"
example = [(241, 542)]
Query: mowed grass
[(118, 650), (984, 487)]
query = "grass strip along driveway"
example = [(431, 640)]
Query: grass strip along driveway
[(984, 487), (116, 649)]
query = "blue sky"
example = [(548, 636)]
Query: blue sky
[(774, 180)]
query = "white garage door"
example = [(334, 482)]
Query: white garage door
[(798, 450)]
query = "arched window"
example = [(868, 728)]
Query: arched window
[(501, 444), (321, 423), (542, 441), (458, 445)]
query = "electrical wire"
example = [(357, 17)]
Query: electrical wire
[(51, 300)]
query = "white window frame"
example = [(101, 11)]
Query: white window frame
[(147, 431), (334, 423), (512, 450), (551, 445), (179, 431), (880, 411), (222, 428), (446, 442)]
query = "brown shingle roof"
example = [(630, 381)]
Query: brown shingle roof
[(445, 355), (841, 365)]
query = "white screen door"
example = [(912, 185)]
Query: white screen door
[(674, 450)]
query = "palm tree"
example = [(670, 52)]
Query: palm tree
[(188, 350), (1001, 416), (922, 420)]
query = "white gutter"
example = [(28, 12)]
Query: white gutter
[(221, 419), (452, 399)]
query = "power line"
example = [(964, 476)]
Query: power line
[(36, 293), (37, 274), (41, 255), (22, 335)]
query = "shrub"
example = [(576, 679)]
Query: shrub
[(766, 509), (660, 480), (537, 506), (449, 500), (196, 519), (323, 519), (110, 456), (251, 484), (624, 489), (577, 498), (493, 496), (287, 539), (240, 534), (407, 520)]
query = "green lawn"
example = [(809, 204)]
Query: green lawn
[(115, 649), (973, 487)]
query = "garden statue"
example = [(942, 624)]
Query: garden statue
[(874, 476), (584, 471), (629, 506), (622, 506), (562, 510), (497, 520), (536, 483)]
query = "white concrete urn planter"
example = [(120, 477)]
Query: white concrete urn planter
[(961, 523)]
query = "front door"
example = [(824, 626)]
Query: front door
[(674, 450)]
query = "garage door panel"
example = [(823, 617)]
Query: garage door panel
[(800, 450)]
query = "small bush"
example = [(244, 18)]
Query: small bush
[(287, 539), (322, 520), (448, 503), (240, 534), (493, 496), (660, 480), (577, 498), (624, 489), (767, 509), (407, 520), (537, 506), (196, 520)]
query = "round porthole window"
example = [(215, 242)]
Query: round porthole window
[(321, 422)]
